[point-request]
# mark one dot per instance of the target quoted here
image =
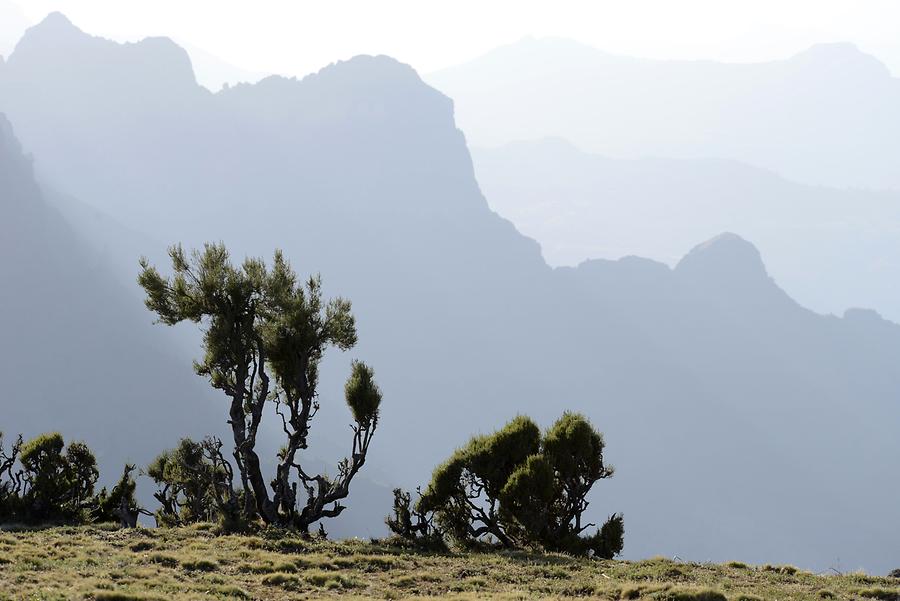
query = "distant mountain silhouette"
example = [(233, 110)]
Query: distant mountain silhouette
[(831, 249), (825, 116), (741, 424)]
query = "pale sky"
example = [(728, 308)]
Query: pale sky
[(295, 37)]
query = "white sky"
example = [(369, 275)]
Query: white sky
[(295, 37)]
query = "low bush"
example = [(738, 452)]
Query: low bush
[(518, 488)]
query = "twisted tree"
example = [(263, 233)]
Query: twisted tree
[(228, 302), (264, 338)]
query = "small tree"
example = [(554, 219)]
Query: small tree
[(260, 324), (185, 484), (520, 489), (120, 503), (410, 522)]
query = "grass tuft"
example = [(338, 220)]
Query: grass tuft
[(882, 594), (285, 581), (122, 596), (199, 565)]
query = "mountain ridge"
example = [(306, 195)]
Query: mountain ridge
[(828, 248), (823, 116)]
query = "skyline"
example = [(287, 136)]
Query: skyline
[(295, 39)]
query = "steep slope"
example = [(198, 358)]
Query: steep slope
[(714, 388), (831, 249), (826, 116), (78, 355)]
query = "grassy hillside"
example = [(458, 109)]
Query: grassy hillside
[(99, 564)]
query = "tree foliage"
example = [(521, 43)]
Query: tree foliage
[(43, 480), (184, 477), (264, 337), (519, 488)]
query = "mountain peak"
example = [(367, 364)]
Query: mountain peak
[(727, 259), (53, 26), (56, 19), (845, 57), (67, 54)]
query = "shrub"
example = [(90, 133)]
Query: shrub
[(43, 480), (519, 488)]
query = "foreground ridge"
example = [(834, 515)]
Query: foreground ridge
[(192, 563)]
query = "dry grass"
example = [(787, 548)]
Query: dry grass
[(193, 564)]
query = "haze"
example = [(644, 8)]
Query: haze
[(533, 208), (296, 38)]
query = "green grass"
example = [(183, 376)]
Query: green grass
[(192, 564)]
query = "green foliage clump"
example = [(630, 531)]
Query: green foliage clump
[(519, 488)]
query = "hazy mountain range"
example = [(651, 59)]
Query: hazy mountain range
[(825, 116), (742, 425), (830, 248)]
